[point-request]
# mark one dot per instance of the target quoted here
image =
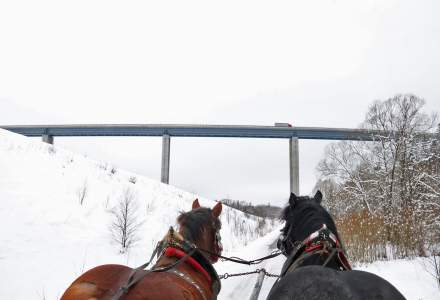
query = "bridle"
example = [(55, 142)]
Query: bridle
[(284, 240), (322, 242), (218, 246)]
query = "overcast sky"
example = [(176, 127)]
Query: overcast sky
[(309, 63)]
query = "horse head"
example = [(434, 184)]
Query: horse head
[(201, 226), (316, 264), (303, 215), (183, 269)]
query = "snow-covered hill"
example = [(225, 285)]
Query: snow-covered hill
[(48, 238)]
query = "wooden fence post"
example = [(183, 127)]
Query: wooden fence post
[(258, 284)]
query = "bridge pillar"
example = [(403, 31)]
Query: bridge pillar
[(47, 138), (294, 165), (165, 171)]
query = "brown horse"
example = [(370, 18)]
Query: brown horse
[(183, 270)]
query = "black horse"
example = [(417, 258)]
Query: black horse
[(316, 267)]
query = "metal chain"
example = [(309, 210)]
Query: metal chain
[(243, 261), (271, 275), (227, 275)]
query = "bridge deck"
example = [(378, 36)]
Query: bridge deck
[(193, 131)]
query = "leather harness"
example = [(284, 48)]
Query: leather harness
[(322, 241), (174, 245)]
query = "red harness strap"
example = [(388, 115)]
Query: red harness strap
[(174, 252), (311, 245)]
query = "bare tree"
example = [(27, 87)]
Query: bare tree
[(82, 191), (346, 165), (331, 199), (125, 222), (396, 178), (132, 179)]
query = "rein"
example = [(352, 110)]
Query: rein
[(174, 245), (239, 260)]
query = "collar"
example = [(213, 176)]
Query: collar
[(316, 239), (174, 252), (323, 238)]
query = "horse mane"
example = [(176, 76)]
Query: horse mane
[(193, 222)]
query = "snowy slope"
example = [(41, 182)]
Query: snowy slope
[(48, 238)]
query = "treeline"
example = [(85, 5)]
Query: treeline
[(264, 211), (385, 194)]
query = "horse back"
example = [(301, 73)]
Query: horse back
[(98, 283), (317, 282), (370, 286), (102, 282)]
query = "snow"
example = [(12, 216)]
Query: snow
[(410, 277), (48, 238), (241, 287)]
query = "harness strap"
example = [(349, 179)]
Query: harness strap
[(174, 252), (318, 242), (334, 250), (133, 279), (306, 255), (172, 243)]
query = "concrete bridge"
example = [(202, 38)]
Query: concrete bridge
[(278, 131)]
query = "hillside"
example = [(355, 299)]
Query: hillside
[(48, 238)]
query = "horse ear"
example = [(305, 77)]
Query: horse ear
[(195, 204), (217, 210), (292, 200), (318, 197)]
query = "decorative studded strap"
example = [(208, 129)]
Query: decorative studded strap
[(190, 281)]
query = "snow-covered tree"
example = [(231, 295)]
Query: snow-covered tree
[(395, 178)]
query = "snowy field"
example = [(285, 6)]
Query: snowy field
[(408, 276), (48, 238)]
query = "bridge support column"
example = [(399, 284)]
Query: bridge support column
[(294, 165), (47, 138), (165, 172)]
